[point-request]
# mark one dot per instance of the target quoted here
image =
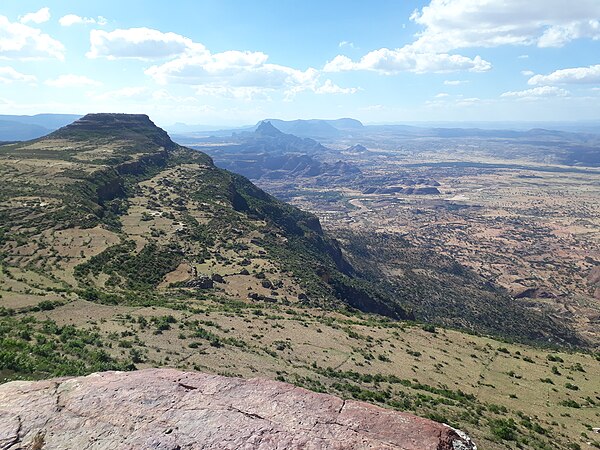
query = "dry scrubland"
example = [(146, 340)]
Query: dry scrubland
[(143, 254), (504, 395), (528, 227)]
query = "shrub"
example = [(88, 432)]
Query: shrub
[(429, 328), (503, 429), (570, 403)]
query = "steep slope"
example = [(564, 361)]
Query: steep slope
[(113, 209), (439, 290)]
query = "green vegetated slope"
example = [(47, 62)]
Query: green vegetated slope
[(439, 290), (121, 249), (152, 207)]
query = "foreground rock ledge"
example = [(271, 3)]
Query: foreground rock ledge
[(169, 409)]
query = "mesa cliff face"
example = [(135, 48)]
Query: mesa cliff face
[(132, 127), (122, 174), (169, 409)]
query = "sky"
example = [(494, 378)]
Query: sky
[(234, 62)]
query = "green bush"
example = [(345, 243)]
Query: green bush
[(503, 429)]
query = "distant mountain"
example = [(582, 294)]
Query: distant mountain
[(317, 128), (51, 121), (16, 131), (585, 126), (269, 138), (536, 144), (313, 128), (357, 148), (266, 129), (271, 154), (20, 128), (346, 124), (184, 128)]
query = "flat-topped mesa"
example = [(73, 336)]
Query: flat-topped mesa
[(137, 128), (169, 409)]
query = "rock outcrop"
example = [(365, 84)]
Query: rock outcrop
[(168, 409), (357, 148)]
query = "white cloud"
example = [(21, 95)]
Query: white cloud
[(328, 87), (237, 74), (136, 97), (449, 25), (575, 75), (454, 24), (445, 101), (235, 67), (442, 95), (74, 19), (343, 44), (527, 73), (468, 101), (139, 43), (9, 75), (70, 80), (406, 59), (240, 74), (164, 95), (19, 41), (454, 82), (40, 16), (538, 92), (523, 56), (248, 93), (130, 92), (559, 35)]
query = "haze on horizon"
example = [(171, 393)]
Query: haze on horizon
[(233, 62)]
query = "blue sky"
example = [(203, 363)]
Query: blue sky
[(231, 62)]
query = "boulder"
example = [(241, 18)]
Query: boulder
[(201, 282), (168, 409), (217, 278)]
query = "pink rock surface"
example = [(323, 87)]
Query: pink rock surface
[(166, 409)]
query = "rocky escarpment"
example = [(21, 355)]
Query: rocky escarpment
[(133, 127), (168, 409)]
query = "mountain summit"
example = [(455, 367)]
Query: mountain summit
[(136, 128), (266, 128)]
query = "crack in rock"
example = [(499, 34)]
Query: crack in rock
[(10, 429)]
